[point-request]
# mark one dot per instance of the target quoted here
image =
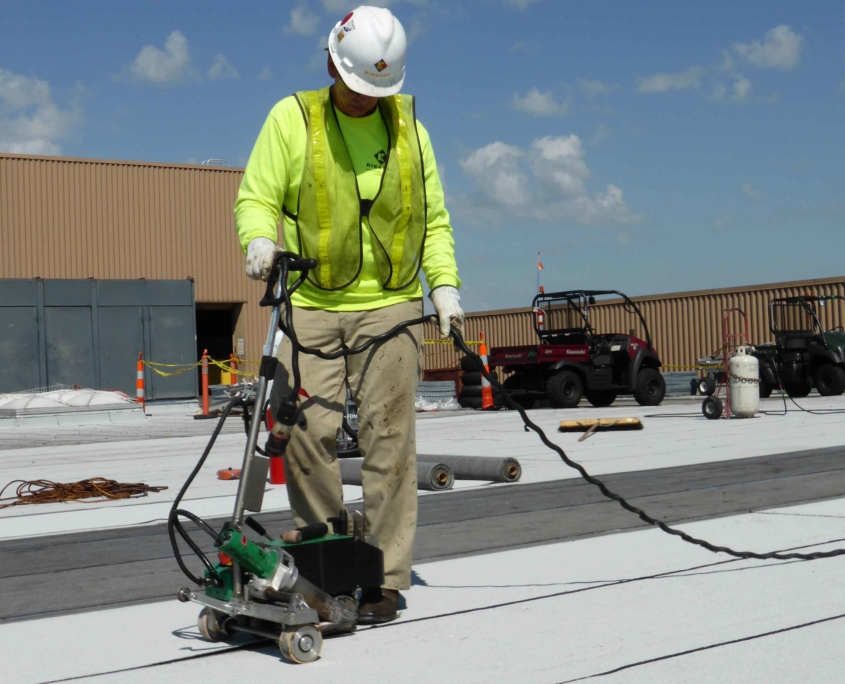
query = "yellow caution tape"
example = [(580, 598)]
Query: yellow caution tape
[(700, 367)]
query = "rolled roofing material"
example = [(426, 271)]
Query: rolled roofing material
[(430, 476), (490, 468)]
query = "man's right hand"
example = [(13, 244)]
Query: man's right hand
[(259, 258)]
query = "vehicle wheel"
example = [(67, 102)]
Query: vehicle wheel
[(301, 644), (470, 363), (711, 407), (650, 387), (474, 377), (210, 624), (601, 399), (707, 385), (830, 380), (765, 389), (564, 389), (797, 390)]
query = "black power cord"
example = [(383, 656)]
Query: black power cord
[(289, 411)]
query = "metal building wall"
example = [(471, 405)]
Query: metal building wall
[(684, 326), (83, 218)]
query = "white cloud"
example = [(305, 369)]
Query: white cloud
[(661, 83), (595, 88), (742, 86), (540, 104), (547, 182), (520, 4), (221, 69), (751, 192), (780, 49), (171, 65), (497, 165), (739, 92), (30, 122), (265, 74), (302, 22)]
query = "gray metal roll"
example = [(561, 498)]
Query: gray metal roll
[(431, 476), (491, 468)]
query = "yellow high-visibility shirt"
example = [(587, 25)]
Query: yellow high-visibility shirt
[(271, 180)]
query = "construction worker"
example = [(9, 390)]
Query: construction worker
[(354, 175)]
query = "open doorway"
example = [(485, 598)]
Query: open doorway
[(215, 332)]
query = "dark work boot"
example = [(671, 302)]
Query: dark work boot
[(378, 606)]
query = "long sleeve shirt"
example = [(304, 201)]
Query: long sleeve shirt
[(272, 178)]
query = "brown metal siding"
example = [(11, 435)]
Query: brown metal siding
[(684, 326), (82, 218)]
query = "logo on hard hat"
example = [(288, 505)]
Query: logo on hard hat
[(381, 65), (347, 18), (340, 36), (349, 27)]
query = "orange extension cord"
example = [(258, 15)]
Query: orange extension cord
[(94, 490)]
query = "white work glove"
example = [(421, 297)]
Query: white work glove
[(259, 258), (447, 304)]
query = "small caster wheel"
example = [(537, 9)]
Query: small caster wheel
[(301, 644), (711, 407), (210, 624), (707, 385)]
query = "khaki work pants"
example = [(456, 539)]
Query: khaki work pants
[(383, 381)]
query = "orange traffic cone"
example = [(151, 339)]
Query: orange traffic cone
[(486, 388), (140, 394)]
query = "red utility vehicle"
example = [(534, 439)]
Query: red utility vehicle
[(572, 360)]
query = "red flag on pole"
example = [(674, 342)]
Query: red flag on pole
[(539, 263)]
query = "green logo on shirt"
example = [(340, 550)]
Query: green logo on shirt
[(380, 157)]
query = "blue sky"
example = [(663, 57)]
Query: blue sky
[(648, 147)]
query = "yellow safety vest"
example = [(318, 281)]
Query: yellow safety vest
[(330, 215)]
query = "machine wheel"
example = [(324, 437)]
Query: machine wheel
[(470, 363), (830, 380), (650, 387), (301, 644), (210, 625), (765, 389), (707, 385), (797, 390), (474, 378), (564, 389), (602, 398), (711, 407)]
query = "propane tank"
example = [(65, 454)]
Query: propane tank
[(541, 318), (745, 380)]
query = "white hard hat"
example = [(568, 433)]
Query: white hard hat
[(368, 48)]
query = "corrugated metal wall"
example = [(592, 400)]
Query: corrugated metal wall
[(82, 218), (684, 326)]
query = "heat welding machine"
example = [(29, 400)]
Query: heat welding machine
[(292, 589)]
